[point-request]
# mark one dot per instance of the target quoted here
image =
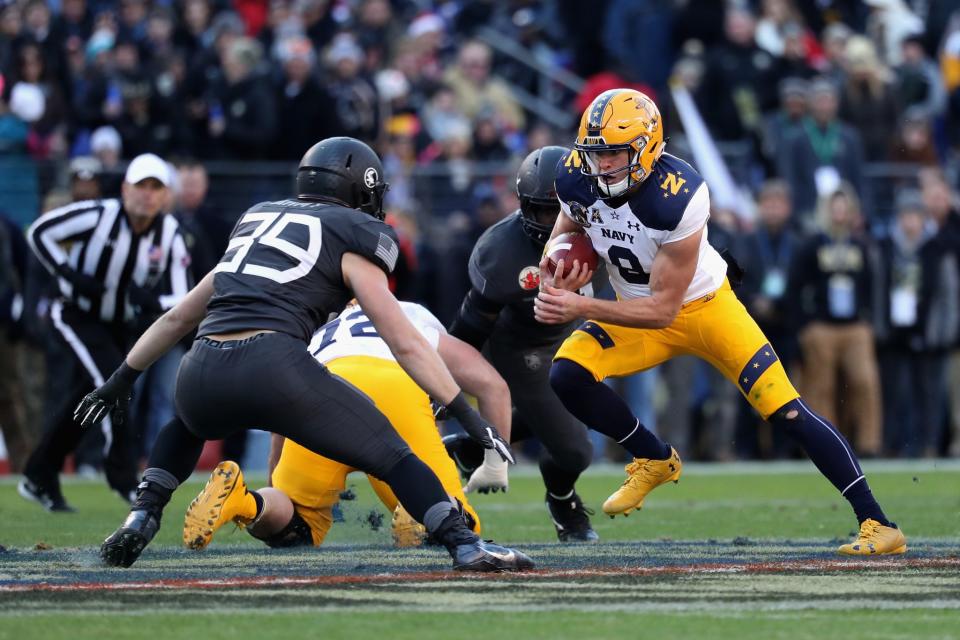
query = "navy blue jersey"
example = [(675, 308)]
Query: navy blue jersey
[(282, 267)]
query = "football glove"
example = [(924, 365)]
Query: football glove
[(440, 412), (491, 476), (479, 429), (113, 396)]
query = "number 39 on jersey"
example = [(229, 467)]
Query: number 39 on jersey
[(266, 228)]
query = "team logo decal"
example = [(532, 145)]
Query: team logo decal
[(579, 213), (532, 360), (370, 177), (530, 278), (595, 215)]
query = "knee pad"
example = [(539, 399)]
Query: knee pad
[(567, 377), (295, 534)]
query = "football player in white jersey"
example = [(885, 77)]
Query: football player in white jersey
[(298, 506), (645, 212)]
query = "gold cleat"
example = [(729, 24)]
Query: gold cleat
[(875, 539), (643, 476), (224, 499), (407, 532)]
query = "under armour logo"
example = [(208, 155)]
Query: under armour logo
[(633, 225)]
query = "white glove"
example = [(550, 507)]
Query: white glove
[(489, 476)]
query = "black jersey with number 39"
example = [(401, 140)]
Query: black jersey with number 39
[(282, 267)]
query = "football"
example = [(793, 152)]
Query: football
[(574, 245)]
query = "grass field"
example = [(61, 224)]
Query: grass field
[(733, 551)]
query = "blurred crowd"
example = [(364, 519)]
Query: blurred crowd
[(838, 118)]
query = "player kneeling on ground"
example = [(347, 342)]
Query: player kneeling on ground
[(297, 507)]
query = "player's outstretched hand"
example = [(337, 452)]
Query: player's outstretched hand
[(479, 429), (113, 396), (94, 408), (491, 476)]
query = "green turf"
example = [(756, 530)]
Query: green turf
[(925, 502), (620, 625), (767, 506)]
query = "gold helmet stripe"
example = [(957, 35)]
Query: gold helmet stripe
[(597, 107)]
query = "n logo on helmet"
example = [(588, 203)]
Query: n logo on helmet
[(370, 177)]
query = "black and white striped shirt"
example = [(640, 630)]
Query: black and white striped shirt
[(95, 238)]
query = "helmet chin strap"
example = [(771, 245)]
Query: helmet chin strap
[(615, 189)]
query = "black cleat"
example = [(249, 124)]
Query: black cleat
[(487, 556), (470, 553), (125, 545), (571, 519), (48, 497), (467, 454)]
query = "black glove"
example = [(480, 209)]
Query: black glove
[(83, 284), (479, 429), (440, 412), (145, 299), (112, 396)]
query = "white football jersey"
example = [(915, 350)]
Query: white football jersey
[(352, 334), (671, 204)]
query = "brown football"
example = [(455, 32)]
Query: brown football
[(574, 245)]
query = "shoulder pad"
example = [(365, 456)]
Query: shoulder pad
[(661, 201), (572, 185), (374, 240)]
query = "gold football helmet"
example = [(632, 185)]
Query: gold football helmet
[(620, 119)]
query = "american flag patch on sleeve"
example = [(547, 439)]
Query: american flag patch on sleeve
[(387, 251)]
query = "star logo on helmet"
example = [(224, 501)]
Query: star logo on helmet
[(370, 177)]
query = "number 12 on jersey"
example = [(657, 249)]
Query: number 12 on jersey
[(270, 225), (362, 327)]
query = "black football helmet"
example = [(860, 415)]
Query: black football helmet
[(539, 206), (344, 171)]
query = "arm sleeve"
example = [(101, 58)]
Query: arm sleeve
[(694, 217), (51, 229), (178, 273)]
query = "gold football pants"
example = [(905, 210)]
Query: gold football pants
[(314, 482), (716, 327)]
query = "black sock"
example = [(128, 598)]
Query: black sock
[(416, 486), (176, 450), (154, 490), (865, 505), (559, 482), (259, 500), (832, 455), (600, 408)]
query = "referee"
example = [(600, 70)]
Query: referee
[(113, 260)]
